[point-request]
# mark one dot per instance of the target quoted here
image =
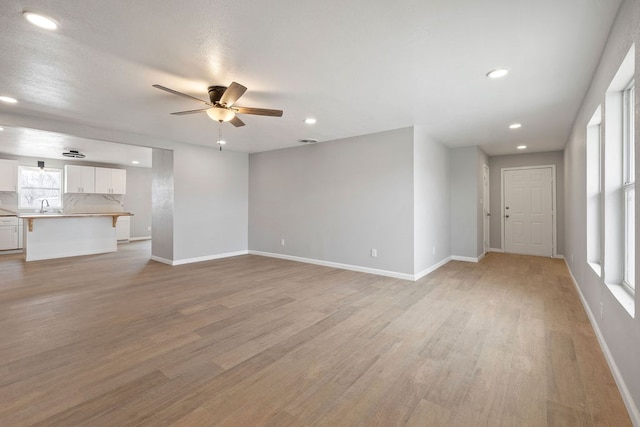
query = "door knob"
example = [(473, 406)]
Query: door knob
[(506, 216)]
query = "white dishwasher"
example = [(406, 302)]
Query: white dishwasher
[(9, 233)]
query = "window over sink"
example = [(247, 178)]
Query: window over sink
[(36, 185)]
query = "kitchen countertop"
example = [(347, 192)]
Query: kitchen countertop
[(70, 215), (30, 217)]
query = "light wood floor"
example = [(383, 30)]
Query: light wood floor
[(116, 340)]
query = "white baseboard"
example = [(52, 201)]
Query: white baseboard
[(617, 376), (198, 259), (11, 251), (496, 250), (160, 259), (135, 239), (350, 267), (431, 269), (466, 258)]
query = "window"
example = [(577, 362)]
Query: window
[(618, 185), (628, 186), (594, 192), (37, 185)]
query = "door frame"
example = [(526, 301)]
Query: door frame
[(486, 209), (554, 216)]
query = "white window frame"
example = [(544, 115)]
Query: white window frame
[(594, 171), (628, 187), (21, 188)]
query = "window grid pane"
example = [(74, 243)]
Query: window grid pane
[(630, 243), (37, 185)]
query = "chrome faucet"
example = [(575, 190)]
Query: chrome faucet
[(42, 209)]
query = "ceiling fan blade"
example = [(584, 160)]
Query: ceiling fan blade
[(184, 95), (258, 111), (236, 121), (182, 113), (231, 95)]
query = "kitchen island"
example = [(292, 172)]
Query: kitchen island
[(60, 235)]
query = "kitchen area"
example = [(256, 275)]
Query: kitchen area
[(71, 202)]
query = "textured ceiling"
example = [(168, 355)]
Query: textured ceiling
[(357, 66)]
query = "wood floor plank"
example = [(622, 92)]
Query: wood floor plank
[(117, 339)]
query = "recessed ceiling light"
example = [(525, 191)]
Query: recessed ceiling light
[(8, 99), (221, 142), (135, 162), (40, 20), (310, 120), (521, 147), (515, 126), (498, 73)]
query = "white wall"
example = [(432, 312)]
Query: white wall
[(162, 201), (481, 160), (618, 330), (210, 202), (138, 201), (464, 203), (335, 201), (432, 215)]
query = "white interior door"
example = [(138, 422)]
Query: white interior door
[(528, 211), (485, 207)]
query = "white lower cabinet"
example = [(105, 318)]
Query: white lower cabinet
[(20, 234), (9, 237), (123, 228)]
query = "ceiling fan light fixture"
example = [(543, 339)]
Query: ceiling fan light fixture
[(75, 154), (220, 114)]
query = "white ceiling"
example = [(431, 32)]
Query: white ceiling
[(50, 145), (358, 66)]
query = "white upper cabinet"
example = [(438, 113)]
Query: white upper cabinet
[(8, 175), (79, 179), (111, 181)]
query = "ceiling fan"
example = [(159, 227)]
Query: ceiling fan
[(220, 104)]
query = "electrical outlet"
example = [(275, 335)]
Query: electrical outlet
[(281, 242), (374, 253), (149, 228)]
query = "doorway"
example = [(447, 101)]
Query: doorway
[(528, 206)]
